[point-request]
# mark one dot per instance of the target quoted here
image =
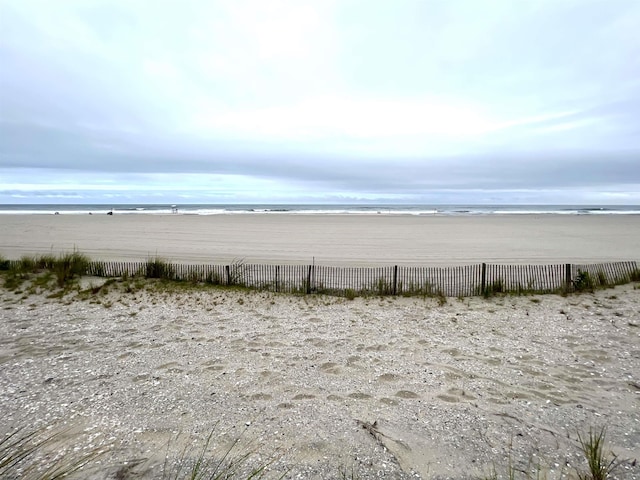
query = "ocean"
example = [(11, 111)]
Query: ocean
[(316, 209)]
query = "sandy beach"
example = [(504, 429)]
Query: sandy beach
[(372, 388), (324, 387), (355, 240)]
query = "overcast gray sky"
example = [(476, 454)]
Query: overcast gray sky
[(449, 101)]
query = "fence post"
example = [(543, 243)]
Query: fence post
[(309, 280), (228, 270), (395, 279), (483, 282), (277, 277), (567, 275)]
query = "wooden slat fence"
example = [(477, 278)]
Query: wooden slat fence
[(525, 278), (461, 281), (603, 274)]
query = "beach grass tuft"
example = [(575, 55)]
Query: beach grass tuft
[(345, 474), (65, 267), (157, 267), (213, 278), (208, 463), (600, 463), (42, 455), (236, 273), (5, 263), (28, 455), (494, 288), (583, 282), (68, 266), (384, 287)]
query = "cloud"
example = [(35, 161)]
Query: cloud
[(320, 100)]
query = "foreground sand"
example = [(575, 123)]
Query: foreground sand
[(329, 239), (377, 387)]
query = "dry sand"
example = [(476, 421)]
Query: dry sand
[(377, 387), (329, 239), (384, 388)]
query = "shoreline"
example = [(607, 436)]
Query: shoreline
[(322, 209)]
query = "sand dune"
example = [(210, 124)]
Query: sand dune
[(391, 387)]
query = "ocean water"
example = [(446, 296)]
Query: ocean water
[(344, 209)]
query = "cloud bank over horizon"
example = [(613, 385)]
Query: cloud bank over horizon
[(319, 102)]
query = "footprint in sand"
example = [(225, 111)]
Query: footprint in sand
[(171, 367), (316, 342), (304, 396), (448, 398), (359, 396), (594, 354), (408, 394), (215, 368), (454, 352), (145, 377), (455, 395), (260, 396), (353, 360), (376, 348), (330, 367)]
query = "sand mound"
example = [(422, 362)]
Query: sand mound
[(392, 387)]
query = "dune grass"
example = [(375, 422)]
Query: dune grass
[(600, 463), (157, 267), (67, 267), (584, 282), (36, 455), (4, 263), (231, 462), (41, 455)]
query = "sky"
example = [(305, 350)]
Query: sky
[(327, 101)]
